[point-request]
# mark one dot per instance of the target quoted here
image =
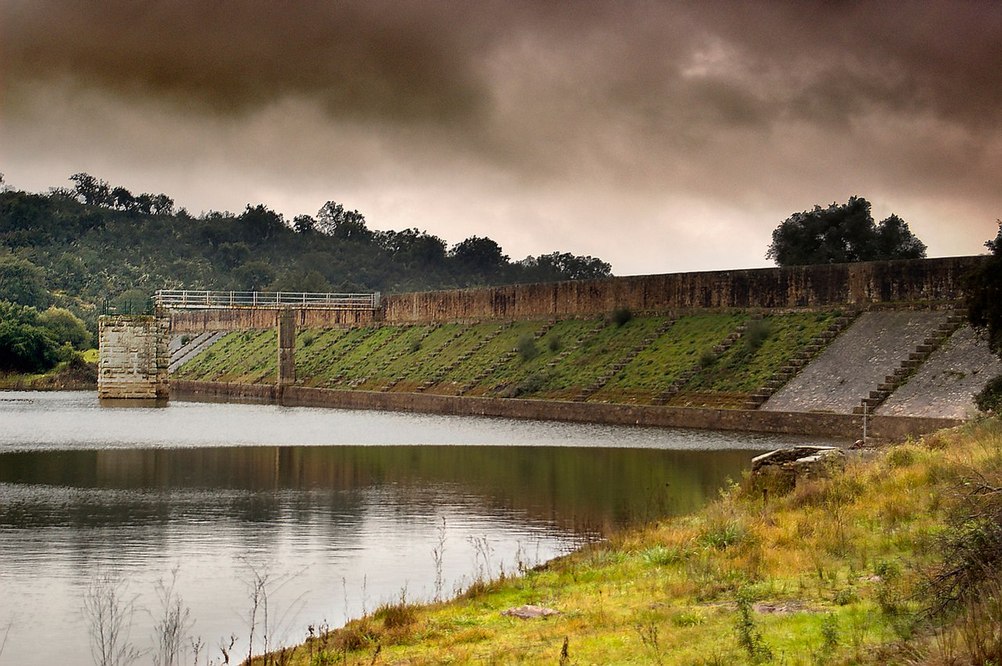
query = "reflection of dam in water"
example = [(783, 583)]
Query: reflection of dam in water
[(581, 488)]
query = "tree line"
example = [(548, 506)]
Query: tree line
[(95, 247)]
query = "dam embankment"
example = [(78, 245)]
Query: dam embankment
[(805, 351)]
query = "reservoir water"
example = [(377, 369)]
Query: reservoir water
[(331, 512)]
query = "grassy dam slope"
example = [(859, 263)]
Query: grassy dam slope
[(819, 360)]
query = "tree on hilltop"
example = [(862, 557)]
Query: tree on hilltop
[(337, 222), (842, 233), (565, 266), (23, 282), (479, 256)]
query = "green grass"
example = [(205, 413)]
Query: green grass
[(375, 357), (436, 351), (522, 370), (595, 356), (492, 353), (746, 366), (242, 356), (677, 350), (336, 360), (313, 352)]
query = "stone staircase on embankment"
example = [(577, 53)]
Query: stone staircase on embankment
[(306, 356), (387, 360), (376, 351), (815, 346), (945, 385), (665, 396), (576, 344), (621, 363), (856, 361), (502, 360), (181, 350), (909, 366)]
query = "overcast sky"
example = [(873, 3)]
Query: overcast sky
[(659, 136)]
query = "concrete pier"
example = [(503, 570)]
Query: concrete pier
[(286, 348), (133, 357)]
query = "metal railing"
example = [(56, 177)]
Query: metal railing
[(190, 299)]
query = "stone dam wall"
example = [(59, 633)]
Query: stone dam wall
[(903, 304), (858, 285), (244, 319)]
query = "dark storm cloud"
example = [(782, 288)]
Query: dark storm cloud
[(578, 110), (738, 63), (380, 59)]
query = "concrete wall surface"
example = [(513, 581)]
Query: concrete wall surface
[(134, 358), (855, 285), (945, 384)]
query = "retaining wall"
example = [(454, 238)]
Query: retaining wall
[(857, 284), (844, 426), (245, 319)]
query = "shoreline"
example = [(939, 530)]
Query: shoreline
[(844, 426)]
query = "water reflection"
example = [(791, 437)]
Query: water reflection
[(346, 506), (576, 488)]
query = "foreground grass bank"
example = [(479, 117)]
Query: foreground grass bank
[(896, 560)]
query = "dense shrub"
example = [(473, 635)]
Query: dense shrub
[(989, 399), (756, 334), (65, 327), (526, 347), (26, 348), (25, 344), (621, 316)]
